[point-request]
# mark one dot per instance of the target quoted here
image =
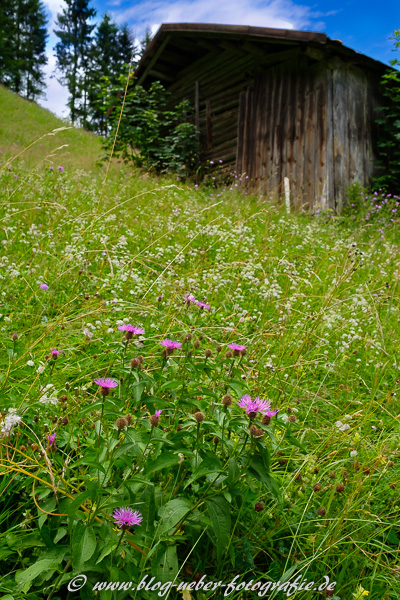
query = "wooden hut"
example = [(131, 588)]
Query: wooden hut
[(283, 107)]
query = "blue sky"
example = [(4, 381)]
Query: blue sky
[(363, 25)]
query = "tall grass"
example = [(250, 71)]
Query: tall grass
[(314, 300)]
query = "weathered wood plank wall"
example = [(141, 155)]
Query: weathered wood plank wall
[(277, 110), (313, 125), (284, 131)]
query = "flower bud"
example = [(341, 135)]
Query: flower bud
[(121, 423), (259, 506), (227, 400), (199, 416), (208, 353), (134, 363), (316, 487), (321, 511), (256, 431)]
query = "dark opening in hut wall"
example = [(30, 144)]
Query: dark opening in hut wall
[(213, 83)]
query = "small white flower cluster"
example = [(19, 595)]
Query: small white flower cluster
[(10, 420), (342, 426), (48, 395)]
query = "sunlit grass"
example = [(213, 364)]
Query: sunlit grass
[(313, 299)]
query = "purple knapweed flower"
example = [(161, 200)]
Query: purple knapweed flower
[(170, 344), (237, 347), (126, 517), (61, 169), (51, 441), (130, 330), (55, 353), (106, 385), (190, 298), (203, 305), (257, 405), (44, 286), (51, 168), (155, 419)]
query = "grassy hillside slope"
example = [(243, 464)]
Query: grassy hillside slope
[(301, 311), (23, 122)]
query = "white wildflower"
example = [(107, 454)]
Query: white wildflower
[(30, 363), (11, 420), (48, 395), (88, 333), (353, 453), (341, 426)]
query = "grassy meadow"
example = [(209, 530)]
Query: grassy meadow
[(310, 303)]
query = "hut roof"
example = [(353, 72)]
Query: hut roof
[(177, 45)]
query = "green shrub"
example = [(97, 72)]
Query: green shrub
[(388, 165), (151, 134)]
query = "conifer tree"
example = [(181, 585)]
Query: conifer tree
[(73, 54), (7, 36), (22, 46), (35, 36), (145, 42), (112, 49)]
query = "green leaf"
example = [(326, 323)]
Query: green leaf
[(237, 388), (290, 438), (233, 471), (166, 564), (259, 471), (171, 513), (109, 547), (23, 577), (137, 390), (219, 512), (147, 510), (75, 504), (211, 464), (165, 460), (60, 534), (83, 545)]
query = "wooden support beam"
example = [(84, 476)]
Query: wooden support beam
[(196, 106), (153, 60), (161, 75)]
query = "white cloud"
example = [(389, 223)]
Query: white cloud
[(56, 94), (282, 14)]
